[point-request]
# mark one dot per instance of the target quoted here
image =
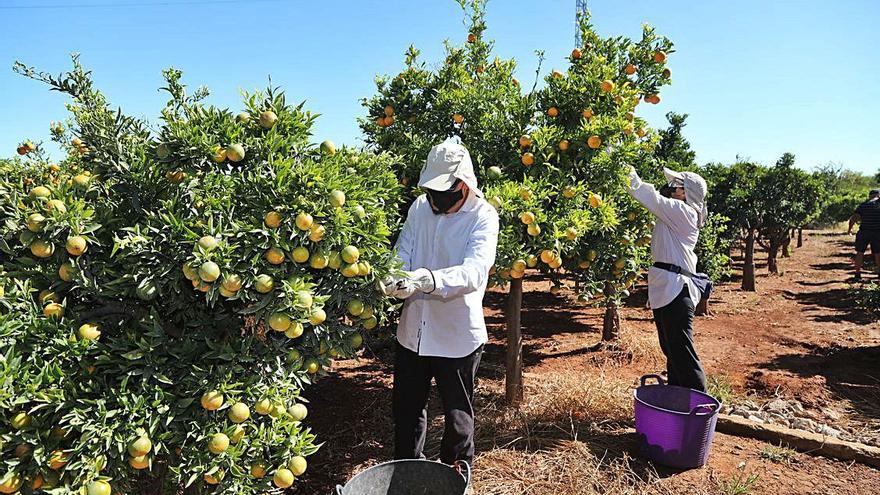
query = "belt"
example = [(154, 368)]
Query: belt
[(669, 267)]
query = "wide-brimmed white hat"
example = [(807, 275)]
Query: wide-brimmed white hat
[(447, 162), (695, 190)]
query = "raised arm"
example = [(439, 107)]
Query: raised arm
[(667, 210)]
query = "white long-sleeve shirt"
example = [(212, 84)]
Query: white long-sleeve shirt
[(459, 249), (673, 241)]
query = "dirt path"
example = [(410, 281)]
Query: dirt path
[(798, 337)]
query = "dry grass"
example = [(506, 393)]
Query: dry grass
[(558, 407), (569, 437), (568, 468), (643, 347)]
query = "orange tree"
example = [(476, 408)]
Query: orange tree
[(587, 134), (168, 294), (471, 95), (732, 190), (789, 198)]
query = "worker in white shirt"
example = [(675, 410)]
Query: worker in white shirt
[(673, 289), (447, 247)]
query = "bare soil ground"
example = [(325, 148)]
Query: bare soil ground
[(798, 337)]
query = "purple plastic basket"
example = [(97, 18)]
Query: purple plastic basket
[(675, 425)]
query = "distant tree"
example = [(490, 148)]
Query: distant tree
[(733, 195), (845, 190), (673, 148), (787, 198)]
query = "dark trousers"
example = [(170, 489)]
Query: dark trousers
[(412, 387), (675, 327)]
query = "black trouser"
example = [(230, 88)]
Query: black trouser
[(675, 327), (412, 387)]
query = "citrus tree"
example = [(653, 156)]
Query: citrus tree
[(586, 136), (846, 189), (167, 294), (470, 95), (732, 188), (789, 198)]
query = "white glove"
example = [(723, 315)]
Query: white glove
[(633, 176), (407, 284), (423, 280), (390, 284), (632, 173)]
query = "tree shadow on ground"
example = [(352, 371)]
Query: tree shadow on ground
[(624, 447), (833, 265), (805, 283), (825, 233), (842, 302), (355, 424), (851, 373), (543, 315)]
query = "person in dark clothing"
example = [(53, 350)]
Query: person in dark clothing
[(868, 216)]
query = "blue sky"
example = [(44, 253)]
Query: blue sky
[(757, 77)]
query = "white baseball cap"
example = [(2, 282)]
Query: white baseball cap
[(447, 162)]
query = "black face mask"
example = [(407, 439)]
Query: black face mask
[(442, 201), (667, 189)]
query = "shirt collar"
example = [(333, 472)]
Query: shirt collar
[(470, 203)]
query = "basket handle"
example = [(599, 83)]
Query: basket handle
[(339, 490), (711, 407), (659, 378), (464, 470)]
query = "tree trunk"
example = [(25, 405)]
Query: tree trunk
[(703, 308), (800, 241), (786, 253), (513, 386), (748, 282), (611, 323), (772, 253)]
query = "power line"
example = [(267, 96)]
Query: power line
[(164, 3)]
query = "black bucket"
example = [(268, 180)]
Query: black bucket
[(409, 477)]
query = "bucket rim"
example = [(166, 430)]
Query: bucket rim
[(466, 468), (694, 412)]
